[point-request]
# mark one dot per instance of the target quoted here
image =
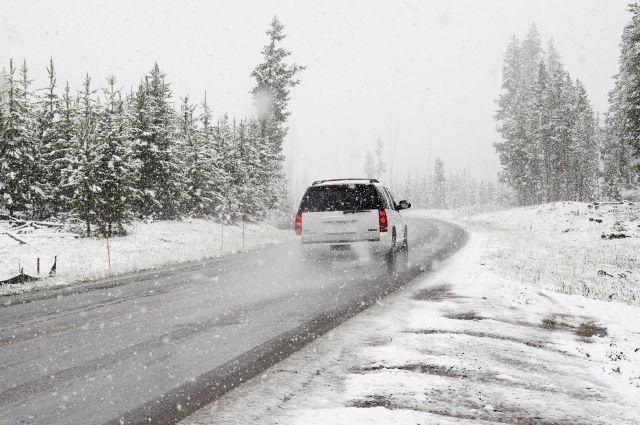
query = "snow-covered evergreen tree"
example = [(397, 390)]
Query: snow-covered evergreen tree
[(381, 167), (585, 141), (202, 178), (66, 150), (35, 169), (621, 153), (80, 176), (160, 181), (274, 78), (223, 141), (439, 185), (19, 188), (115, 168), (52, 143), (546, 126), (369, 166), (216, 178)]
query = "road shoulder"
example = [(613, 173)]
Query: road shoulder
[(463, 345)]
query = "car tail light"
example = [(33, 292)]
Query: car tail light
[(382, 220), (298, 224)]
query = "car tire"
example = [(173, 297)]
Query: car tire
[(391, 259), (391, 256), (404, 255)]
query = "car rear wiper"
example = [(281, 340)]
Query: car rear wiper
[(354, 211)]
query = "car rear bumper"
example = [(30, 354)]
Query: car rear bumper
[(338, 241), (346, 246)]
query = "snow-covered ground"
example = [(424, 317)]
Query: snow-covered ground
[(148, 245), (475, 342), (564, 246)]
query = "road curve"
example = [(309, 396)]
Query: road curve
[(156, 346)]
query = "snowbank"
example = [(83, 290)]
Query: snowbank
[(148, 245)]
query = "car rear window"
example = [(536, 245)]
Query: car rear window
[(348, 197)]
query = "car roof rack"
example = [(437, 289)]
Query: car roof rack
[(337, 180)]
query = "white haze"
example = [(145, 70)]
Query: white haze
[(421, 75)]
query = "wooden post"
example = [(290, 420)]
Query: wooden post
[(109, 254), (243, 234), (38, 266)]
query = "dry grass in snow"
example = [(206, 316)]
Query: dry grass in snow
[(563, 246)]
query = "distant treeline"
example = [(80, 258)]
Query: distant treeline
[(443, 191), (552, 146), (103, 156)]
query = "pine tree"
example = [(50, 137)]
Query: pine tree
[(216, 179), (35, 170), (17, 188), (115, 170), (381, 167), (246, 187), (585, 140), (621, 155), (160, 180), (138, 119), (542, 132), (80, 177), (223, 144), (271, 94), (518, 155), (52, 144), (439, 185), (66, 150), (369, 166), (196, 144)]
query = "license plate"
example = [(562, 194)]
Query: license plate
[(340, 247)]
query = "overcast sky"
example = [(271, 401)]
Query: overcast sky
[(423, 75)]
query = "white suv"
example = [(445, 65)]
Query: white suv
[(346, 214)]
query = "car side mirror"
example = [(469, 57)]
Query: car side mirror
[(403, 205)]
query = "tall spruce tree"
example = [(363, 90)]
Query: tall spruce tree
[(223, 140), (216, 179), (16, 148), (621, 155), (439, 185), (585, 155), (81, 174), (274, 78), (115, 169), (52, 144), (65, 157), (195, 142), (160, 178), (369, 166)]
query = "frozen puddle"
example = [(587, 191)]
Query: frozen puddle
[(462, 346)]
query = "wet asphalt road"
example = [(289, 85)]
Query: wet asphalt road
[(154, 347)]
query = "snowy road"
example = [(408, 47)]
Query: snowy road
[(154, 348)]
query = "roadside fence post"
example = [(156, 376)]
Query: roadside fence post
[(109, 254)]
